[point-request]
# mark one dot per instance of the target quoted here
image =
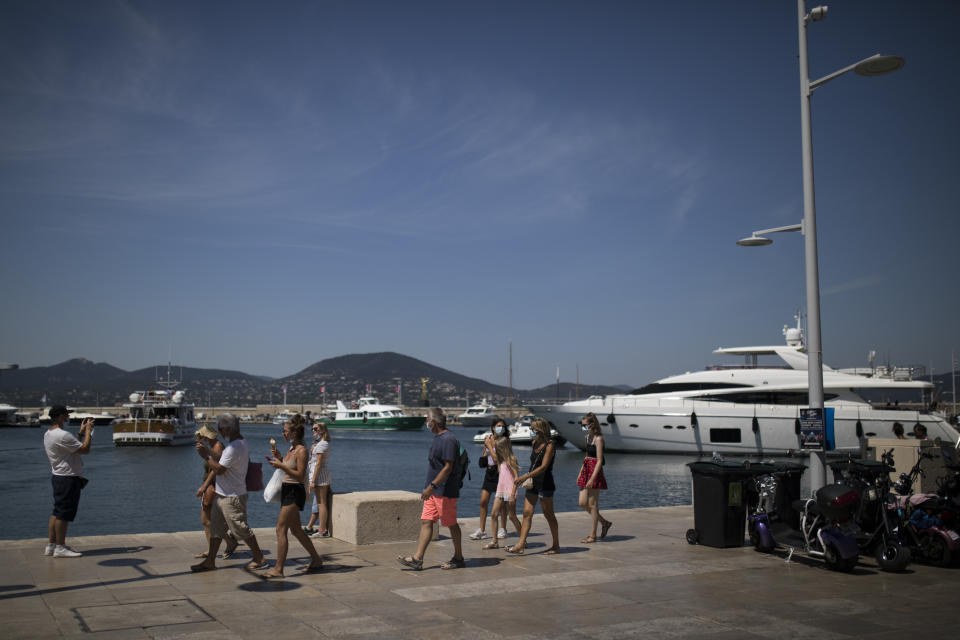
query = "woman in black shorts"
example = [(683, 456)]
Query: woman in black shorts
[(293, 496)]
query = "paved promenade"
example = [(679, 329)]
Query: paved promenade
[(643, 581)]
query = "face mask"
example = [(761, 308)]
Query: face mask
[(498, 431)]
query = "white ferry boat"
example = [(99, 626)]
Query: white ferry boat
[(368, 413), (479, 415), (156, 418), (747, 409)]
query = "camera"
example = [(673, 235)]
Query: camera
[(817, 13)]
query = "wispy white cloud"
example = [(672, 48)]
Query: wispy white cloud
[(365, 145), (852, 285)]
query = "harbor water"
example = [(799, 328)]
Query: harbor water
[(153, 489)]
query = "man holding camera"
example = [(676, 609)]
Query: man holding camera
[(64, 452)]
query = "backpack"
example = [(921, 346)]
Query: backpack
[(461, 464)]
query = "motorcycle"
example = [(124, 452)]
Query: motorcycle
[(818, 526), (876, 517), (928, 521)]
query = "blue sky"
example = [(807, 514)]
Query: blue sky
[(259, 186)]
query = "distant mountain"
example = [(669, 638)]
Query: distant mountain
[(63, 377), (384, 366), (84, 383)]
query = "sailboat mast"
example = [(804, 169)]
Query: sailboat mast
[(510, 392)]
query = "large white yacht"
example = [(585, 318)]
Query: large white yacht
[(746, 409)]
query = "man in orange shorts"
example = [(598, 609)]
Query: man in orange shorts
[(440, 494)]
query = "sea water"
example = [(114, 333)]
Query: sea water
[(153, 489)]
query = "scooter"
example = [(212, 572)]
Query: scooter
[(928, 521), (876, 518), (815, 526)]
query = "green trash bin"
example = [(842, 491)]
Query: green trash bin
[(719, 503)]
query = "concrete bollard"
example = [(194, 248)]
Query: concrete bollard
[(371, 517)]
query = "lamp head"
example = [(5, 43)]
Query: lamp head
[(754, 241), (879, 65)]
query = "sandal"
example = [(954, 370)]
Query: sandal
[(552, 551), (411, 562), (199, 568), (604, 528), (272, 576), (201, 555), (588, 540), (454, 563), (313, 568), (253, 565), (515, 550), (229, 552), (491, 545)]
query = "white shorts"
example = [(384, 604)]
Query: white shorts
[(323, 477)]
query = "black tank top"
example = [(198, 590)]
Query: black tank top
[(544, 481)]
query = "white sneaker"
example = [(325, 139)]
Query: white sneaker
[(501, 533), (65, 552), (48, 550), (479, 534)]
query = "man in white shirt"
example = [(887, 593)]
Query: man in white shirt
[(230, 506), (64, 452)]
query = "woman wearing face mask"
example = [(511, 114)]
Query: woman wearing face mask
[(318, 475), (490, 480), (591, 480)]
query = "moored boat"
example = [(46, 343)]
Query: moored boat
[(520, 432), (747, 409), (368, 413), (479, 415), (8, 414), (76, 418), (283, 417), (156, 418)]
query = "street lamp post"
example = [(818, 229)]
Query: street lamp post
[(872, 66)]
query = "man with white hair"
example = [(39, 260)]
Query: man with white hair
[(230, 506)]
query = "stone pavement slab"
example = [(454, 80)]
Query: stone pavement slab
[(643, 580)]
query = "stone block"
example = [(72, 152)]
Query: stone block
[(371, 517)]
